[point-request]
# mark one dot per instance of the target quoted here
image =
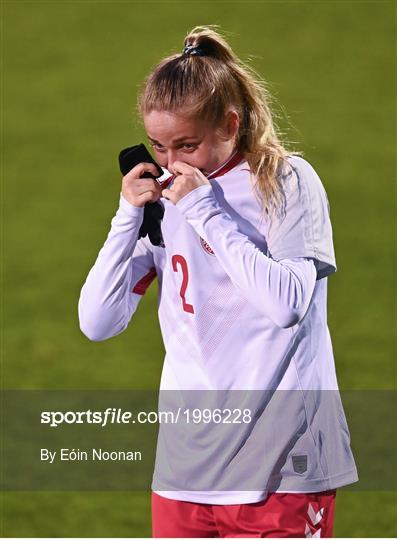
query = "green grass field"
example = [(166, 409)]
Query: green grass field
[(70, 74)]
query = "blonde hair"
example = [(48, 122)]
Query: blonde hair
[(205, 86)]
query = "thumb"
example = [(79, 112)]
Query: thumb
[(168, 194)]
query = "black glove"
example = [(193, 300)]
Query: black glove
[(153, 212)]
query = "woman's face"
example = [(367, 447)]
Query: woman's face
[(177, 138)]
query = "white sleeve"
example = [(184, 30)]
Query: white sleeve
[(280, 290), (304, 228), (123, 270)]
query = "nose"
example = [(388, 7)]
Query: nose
[(172, 156)]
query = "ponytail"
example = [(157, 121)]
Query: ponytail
[(204, 81)]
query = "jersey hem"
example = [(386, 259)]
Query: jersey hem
[(213, 497), (247, 497)]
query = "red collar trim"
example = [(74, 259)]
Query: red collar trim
[(234, 160), (228, 166)]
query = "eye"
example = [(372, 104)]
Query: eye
[(157, 147), (189, 147)]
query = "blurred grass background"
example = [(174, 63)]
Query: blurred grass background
[(70, 73)]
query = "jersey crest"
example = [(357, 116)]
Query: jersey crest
[(206, 246)]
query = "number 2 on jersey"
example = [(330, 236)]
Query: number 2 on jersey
[(178, 259)]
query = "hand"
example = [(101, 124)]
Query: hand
[(189, 179), (138, 191)]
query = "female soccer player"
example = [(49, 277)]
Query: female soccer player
[(242, 279)]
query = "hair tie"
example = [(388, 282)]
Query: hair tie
[(193, 51)]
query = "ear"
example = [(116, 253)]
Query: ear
[(232, 123)]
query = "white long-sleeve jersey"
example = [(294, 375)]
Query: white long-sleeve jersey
[(242, 306)]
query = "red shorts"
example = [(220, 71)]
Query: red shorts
[(280, 515)]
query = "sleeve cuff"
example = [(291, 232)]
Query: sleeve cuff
[(189, 200), (129, 209)]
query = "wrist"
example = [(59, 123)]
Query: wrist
[(129, 208)]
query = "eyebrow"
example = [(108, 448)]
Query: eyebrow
[(192, 137)]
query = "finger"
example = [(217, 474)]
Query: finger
[(178, 179), (136, 187), (168, 194), (179, 182), (148, 189), (141, 168), (148, 196), (145, 183), (143, 199), (182, 168)]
